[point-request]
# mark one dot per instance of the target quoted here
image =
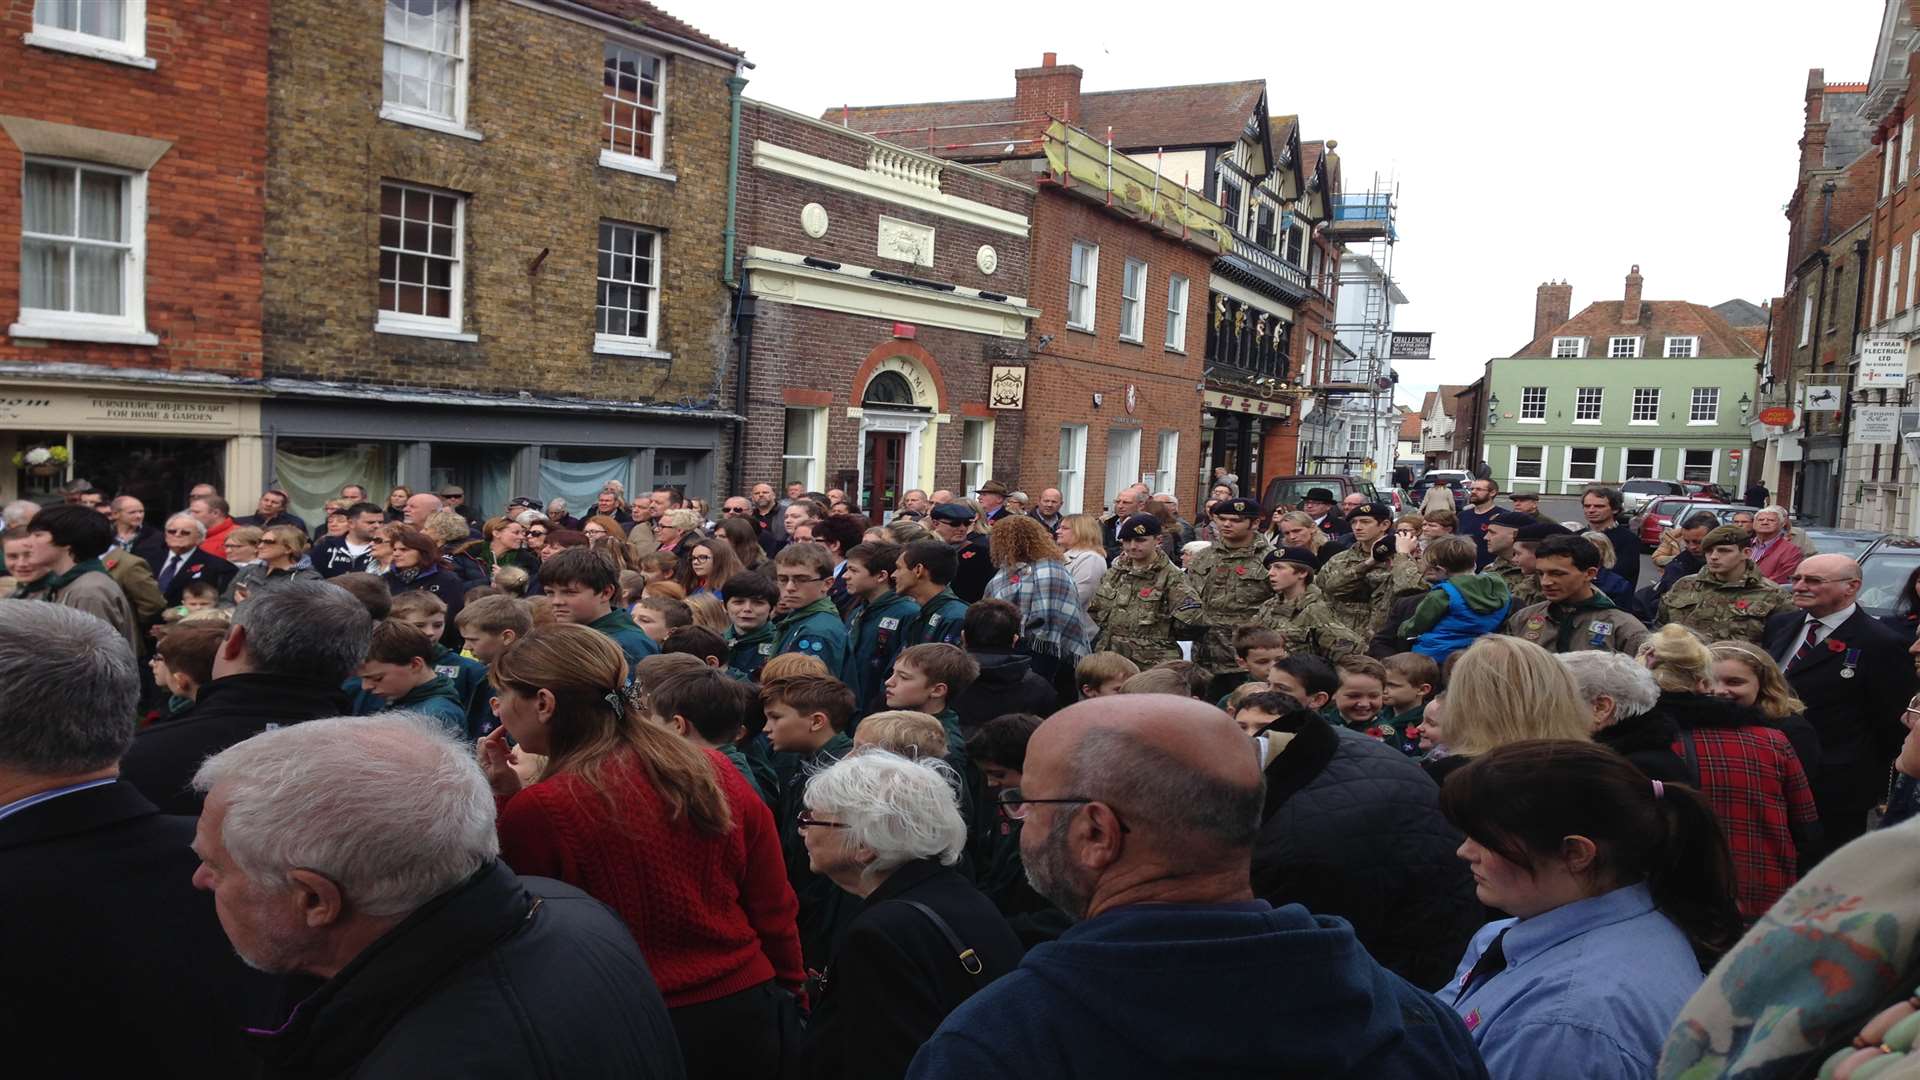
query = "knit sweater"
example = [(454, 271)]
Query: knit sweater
[(713, 915)]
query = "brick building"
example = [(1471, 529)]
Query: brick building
[(131, 174), (490, 248), (1263, 324), (884, 288)]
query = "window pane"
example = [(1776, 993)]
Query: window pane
[(43, 275), (799, 431), (96, 281), (49, 198), (103, 18)]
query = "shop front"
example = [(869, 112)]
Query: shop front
[(496, 451), (154, 441), (1242, 433)]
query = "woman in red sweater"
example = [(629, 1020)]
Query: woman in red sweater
[(670, 836)]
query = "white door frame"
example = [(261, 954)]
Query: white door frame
[(913, 424)]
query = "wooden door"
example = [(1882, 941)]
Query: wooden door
[(884, 465)]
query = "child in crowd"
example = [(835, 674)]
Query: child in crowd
[(914, 735), (1411, 681), (1000, 750), (1255, 648), (658, 566), (183, 660), (698, 642), (195, 597), (633, 586), (399, 672), (666, 590), (807, 716), (487, 625), (582, 584), (708, 611), (706, 708), (749, 599), (928, 677), (1100, 674), (1432, 732), (427, 613), (1309, 679), (1182, 678), (658, 616), (1359, 701), (876, 620), (512, 580), (1461, 606), (1257, 707)]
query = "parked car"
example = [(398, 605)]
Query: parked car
[(1635, 494), (1711, 491), (1884, 571), (1853, 543), (1661, 514), (1289, 490)]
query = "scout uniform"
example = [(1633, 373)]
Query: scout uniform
[(1307, 623), (876, 630), (1360, 590), (816, 631), (1734, 610), (939, 619), (1231, 584), (748, 653), (1139, 608), (469, 678), (1579, 626)]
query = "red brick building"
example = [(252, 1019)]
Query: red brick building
[(132, 175), (883, 289)]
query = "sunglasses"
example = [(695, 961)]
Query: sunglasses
[(536, 532)]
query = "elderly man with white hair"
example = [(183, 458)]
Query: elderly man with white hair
[(887, 829), (1774, 553), (362, 851), (98, 916)]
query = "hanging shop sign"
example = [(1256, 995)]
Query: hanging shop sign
[(1883, 362), (1876, 425)]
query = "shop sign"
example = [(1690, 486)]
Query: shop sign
[(1777, 416), (1883, 362), (1009, 387), (1820, 397), (159, 410), (1410, 346), (1217, 399), (1876, 425)]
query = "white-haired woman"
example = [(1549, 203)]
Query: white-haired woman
[(1774, 553), (1622, 694), (887, 829)]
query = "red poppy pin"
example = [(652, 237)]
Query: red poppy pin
[(1836, 645), (1014, 580), (1740, 605), (195, 568), (1146, 593), (1240, 570)]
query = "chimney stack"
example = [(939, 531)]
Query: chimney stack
[(1552, 306), (1050, 90), (1630, 310)]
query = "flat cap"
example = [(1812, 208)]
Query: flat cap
[(1513, 519), (991, 487), (953, 513)]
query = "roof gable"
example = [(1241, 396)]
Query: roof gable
[(1659, 319)]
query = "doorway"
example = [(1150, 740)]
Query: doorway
[(158, 472), (885, 463)]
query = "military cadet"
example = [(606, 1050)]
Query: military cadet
[(1299, 610), (876, 623), (1502, 532), (1230, 579), (1575, 616), (805, 619), (1728, 600), (921, 575), (953, 522), (1362, 582), (1144, 601)]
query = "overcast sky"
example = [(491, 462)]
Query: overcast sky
[(1530, 140)]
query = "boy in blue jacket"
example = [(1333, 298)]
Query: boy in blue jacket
[(1460, 606)]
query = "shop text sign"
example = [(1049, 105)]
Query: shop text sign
[(1883, 362), (158, 410), (1236, 403)]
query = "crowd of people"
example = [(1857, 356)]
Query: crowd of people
[(970, 787)]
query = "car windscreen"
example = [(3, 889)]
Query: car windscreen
[(1882, 576)]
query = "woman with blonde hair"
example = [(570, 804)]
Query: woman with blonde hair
[(1085, 553), (709, 612), (1297, 530), (1745, 674), (1745, 766), (1505, 690), (645, 822), (1033, 577), (280, 548), (506, 545)]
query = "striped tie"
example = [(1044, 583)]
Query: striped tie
[(1813, 638)]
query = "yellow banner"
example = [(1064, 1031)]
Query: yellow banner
[(1079, 158)]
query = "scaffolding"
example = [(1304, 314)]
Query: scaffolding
[(1358, 385)]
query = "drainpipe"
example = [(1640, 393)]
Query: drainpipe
[(1846, 401), (742, 303)]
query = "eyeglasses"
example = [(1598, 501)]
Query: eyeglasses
[(1017, 806), (785, 580), (735, 510), (536, 532), (700, 558), (182, 532), (1809, 579), (806, 821)]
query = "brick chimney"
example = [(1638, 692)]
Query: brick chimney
[(1630, 310), (1552, 305), (1813, 137), (1052, 89)]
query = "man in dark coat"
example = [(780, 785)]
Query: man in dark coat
[(953, 522), (283, 662), (1602, 507), (183, 561), (1353, 828), (98, 914), (1007, 682), (272, 510), (387, 884), (1853, 674)]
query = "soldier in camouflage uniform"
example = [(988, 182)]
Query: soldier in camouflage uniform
[(1502, 532), (1361, 582), (1574, 616), (1729, 600), (1230, 579), (1144, 602), (1300, 612)]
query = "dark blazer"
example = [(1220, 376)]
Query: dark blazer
[(895, 977), (199, 566), (975, 570), (1857, 718), (105, 934), (164, 757)]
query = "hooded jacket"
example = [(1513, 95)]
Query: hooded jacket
[(163, 758), (1456, 611), (1007, 684), (1221, 991)]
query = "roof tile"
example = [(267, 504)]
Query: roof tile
[(647, 16)]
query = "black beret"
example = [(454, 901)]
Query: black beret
[(1540, 530), (1137, 526), (1513, 519), (1236, 507), (1299, 556), (1378, 511)]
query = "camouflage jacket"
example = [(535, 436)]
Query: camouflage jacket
[(1524, 587), (1309, 625), (1231, 584), (1594, 628), (1724, 610), (1361, 591), (1141, 611)]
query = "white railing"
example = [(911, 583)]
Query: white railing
[(907, 168)]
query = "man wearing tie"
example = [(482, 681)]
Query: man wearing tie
[(1854, 676), (184, 561)]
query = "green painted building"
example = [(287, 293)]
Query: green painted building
[(1625, 390)]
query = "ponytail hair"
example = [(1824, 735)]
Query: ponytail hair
[(1522, 800)]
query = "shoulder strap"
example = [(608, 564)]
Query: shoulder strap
[(1692, 755), (969, 960)]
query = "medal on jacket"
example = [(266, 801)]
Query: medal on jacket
[(1852, 660)]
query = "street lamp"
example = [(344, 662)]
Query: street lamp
[(1493, 409), (1746, 406)]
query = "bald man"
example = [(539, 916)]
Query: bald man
[(1851, 670), (1140, 815)]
